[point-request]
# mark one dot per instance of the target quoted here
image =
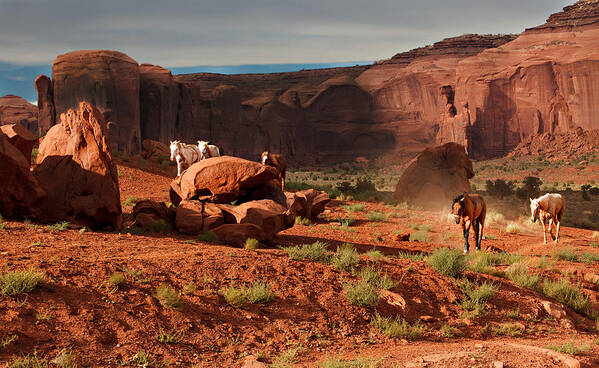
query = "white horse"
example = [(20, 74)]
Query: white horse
[(208, 150), (184, 154), (550, 207)]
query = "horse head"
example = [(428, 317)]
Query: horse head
[(534, 209), (203, 146), (174, 146), (457, 208), (265, 158)]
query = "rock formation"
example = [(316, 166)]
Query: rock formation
[(543, 81), (21, 138), (16, 110), (436, 176), (20, 193), (45, 102), (504, 87), (108, 80), (75, 168)]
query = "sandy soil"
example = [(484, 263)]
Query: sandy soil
[(74, 309)]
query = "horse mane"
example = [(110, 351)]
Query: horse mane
[(458, 198)]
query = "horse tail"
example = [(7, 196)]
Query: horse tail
[(220, 151)]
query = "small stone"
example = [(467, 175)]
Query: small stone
[(479, 346), (497, 364), (252, 362), (427, 319)]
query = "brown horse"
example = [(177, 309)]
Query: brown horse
[(278, 162), (549, 208), (470, 209)]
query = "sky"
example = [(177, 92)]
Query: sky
[(196, 35)]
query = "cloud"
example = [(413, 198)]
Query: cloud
[(186, 32)]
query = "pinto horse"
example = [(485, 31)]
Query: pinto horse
[(278, 162), (184, 154), (208, 150), (550, 207), (470, 209)]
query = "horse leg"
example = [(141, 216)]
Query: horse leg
[(476, 232), (551, 223), (480, 242), (178, 165), (544, 230), (557, 230), (466, 227)]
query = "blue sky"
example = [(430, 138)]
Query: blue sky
[(288, 33)]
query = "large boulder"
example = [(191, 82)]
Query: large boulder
[(75, 168), (159, 100), (237, 234), (109, 80), (307, 203), (192, 218), (267, 214), (146, 213), (21, 138), (220, 179), (435, 176), (20, 193)]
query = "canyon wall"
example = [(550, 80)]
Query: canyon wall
[(486, 92)]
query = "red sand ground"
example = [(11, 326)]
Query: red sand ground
[(105, 327)]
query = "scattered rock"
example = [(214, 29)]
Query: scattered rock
[(554, 310), (192, 218), (591, 277), (400, 237), (152, 150), (307, 203), (267, 214), (237, 234), (252, 362), (147, 212), (75, 168)]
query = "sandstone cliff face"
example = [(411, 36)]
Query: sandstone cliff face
[(544, 81), (45, 101), (108, 80), (485, 92), (16, 110)]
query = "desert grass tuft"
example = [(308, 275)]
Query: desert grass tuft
[(374, 277), (570, 348), (411, 256), (259, 292), (509, 329), (28, 361), (566, 293), (397, 327), (513, 228), (169, 337), (346, 257), (19, 282), (518, 273), (59, 226), (168, 297), (375, 255), (117, 279), (565, 254), (339, 362), (377, 216), (316, 251), (66, 359), (251, 243), (361, 294), (209, 237), (476, 296), (446, 261), (299, 220), (189, 288)]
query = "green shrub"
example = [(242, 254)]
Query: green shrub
[(168, 297), (509, 329), (208, 237), (158, 227), (589, 258), (130, 201), (531, 188), (316, 251), (518, 273), (374, 277), (234, 296), (566, 293), (189, 288), (357, 207), (169, 337), (59, 226), (397, 327), (346, 257), (476, 296), (259, 292), (565, 254), (299, 220), (361, 294), (411, 256), (251, 243), (500, 188), (28, 361), (375, 255), (420, 236), (446, 261), (447, 331), (570, 348), (19, 282), (376, 216), (117, 279)]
